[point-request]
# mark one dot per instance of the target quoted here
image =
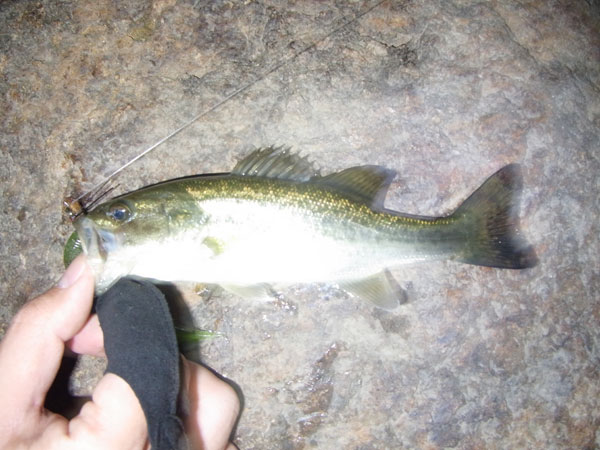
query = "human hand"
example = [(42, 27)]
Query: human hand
[(30, 355)]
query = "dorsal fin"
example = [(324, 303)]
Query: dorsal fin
[(276, 162), (368, 184)]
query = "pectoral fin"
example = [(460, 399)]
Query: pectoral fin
[(251, 292), (215, 245), (381, 289)]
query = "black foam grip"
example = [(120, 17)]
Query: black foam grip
[(141, 347)]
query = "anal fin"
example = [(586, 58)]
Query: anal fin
[(380, 289)]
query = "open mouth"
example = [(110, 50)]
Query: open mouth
[(96, 242)]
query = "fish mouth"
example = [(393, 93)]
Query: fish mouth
[(96, 242)]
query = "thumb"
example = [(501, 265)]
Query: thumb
[(34, 344), (113, 419)]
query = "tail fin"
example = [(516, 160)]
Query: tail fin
[(490, 220)]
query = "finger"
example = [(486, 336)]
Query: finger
[(32, 348), (113, 419), (89, 340), (214, 408)]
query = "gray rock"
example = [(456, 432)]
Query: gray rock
[(445, 92)]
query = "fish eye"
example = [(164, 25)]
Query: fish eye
[(119, 212)]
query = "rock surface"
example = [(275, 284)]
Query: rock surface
[(444, 92)]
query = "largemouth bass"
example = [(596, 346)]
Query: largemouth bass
[(275, 220)]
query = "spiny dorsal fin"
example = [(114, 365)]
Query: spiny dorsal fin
[(276, 162), (368, 184)]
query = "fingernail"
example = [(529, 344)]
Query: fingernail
[(72, 273)]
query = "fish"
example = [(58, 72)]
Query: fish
[(276, 220)]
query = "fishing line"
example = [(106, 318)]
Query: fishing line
[(283, 62)]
